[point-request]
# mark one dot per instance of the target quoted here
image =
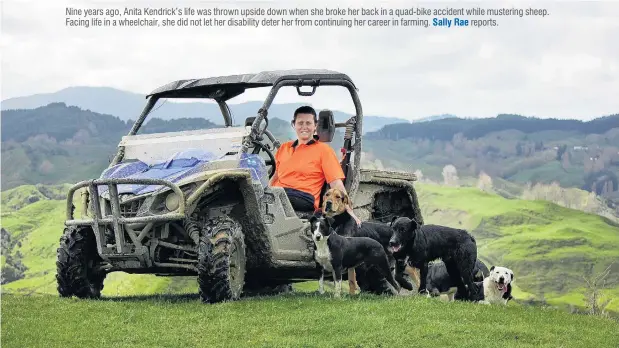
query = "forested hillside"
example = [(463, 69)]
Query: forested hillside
[(519, 149), (59, 143)]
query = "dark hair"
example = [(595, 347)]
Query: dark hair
[(306, 109)]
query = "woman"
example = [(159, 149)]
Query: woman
[(303, 165)]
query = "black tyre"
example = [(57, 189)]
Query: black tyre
[(77, 264), (221, 261)]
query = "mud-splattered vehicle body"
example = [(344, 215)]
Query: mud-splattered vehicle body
[(198, 202)]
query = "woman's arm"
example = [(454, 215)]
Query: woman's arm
[(273, 179)]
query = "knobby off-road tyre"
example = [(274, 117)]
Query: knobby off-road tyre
[(221, 261), (77, 263)]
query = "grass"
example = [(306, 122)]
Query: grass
[(293, 320)]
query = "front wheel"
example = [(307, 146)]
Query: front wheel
[(221, 261), (77, 264)]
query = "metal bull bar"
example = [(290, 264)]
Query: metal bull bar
[(116, 220)]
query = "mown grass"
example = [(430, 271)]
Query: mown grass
[(293, 320)]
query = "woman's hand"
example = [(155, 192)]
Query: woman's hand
[(352, 213)]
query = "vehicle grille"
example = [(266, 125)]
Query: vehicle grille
[(130, 209)]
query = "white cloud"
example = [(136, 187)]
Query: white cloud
[(562, 65)]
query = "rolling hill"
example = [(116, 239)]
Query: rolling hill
[(549, 247)]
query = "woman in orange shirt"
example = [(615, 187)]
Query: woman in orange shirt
[(303, 165)]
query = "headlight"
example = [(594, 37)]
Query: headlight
[(172, 201)]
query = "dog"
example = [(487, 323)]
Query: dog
[(497, 287), (455, 247), (439, 282), (334, 206), (335, 253)]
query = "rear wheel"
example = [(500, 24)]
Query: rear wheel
[(221, 261), (77, 265)]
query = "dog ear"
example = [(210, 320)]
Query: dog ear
[(313, 219), (393, 220), (412, 225), (512, 274), (346, 199), (491, 268)]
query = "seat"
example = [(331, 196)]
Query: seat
[(326, 126), (304, 214)]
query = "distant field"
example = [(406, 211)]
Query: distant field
[(293, 320)]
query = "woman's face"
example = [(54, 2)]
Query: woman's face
[(305, 127)]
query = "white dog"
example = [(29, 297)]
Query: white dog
[(497, 287)]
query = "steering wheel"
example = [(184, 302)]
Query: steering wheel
[(266, 148)]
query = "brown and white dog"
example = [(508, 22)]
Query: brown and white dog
[(337, 205)]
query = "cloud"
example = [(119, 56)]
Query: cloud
[(562, 65)]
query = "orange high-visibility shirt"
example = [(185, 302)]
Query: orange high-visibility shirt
[(306, 167)]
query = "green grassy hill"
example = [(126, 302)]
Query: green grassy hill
[(294, 320), (549, 247)]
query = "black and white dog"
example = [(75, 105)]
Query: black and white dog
[(336, 253), (439, 282), (422, 244), (497, 287)]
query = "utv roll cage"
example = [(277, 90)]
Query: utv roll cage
[(223, 88)]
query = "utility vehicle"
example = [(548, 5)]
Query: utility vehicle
[(199, 202)]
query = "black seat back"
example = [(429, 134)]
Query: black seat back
[(326, 126)]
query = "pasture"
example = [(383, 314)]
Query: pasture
[(298, 319)]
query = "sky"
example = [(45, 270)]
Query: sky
[(564, 65)]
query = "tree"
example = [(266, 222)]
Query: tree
[(560, 151), (565, 160), (450, 175), (484, 182), (419, 175), (593, 297)]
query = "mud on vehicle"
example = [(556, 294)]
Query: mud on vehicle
[(198, 202)]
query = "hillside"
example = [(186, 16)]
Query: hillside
[(59, 143), (549, 247), (518, 149), (128, 106), (295, 320)]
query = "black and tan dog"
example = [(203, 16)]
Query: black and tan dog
[(335, 205), (439, 281), (425, 243)]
